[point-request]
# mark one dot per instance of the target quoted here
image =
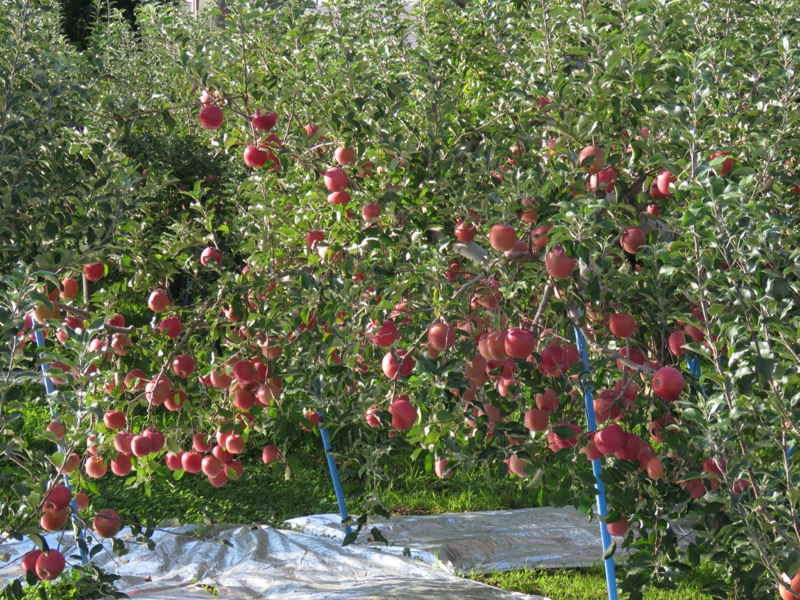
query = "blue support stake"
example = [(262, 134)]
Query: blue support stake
[(49, 389), (597, 469), (337, 484)]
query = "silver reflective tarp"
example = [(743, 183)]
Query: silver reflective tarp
[(262, 562), (483, 542)]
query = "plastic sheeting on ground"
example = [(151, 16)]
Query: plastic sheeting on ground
[(483, 542), (262, 562)]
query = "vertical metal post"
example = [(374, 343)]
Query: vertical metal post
[(597, 469), (337, 484), (49, 389)]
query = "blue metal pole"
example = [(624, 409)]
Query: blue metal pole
[(49, 388), (337, 484), (597, 469)]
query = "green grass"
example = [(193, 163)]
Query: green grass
[(585, 584)]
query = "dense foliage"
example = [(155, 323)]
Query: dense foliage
[(458, 113)]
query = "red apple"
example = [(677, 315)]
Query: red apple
[(135, 380), (663, 179), (57, 429), (171, 327), (58, 498), (519, 343), (370, 212), (270, 453), (158, 301), (53, 520), (465, 231), (210, 256), (727, 164), (537, 419), (69, 288), (211, 116), (676, 341), (94, 272), (441, 335), (618, 528), (653, 210), (502, 237), (609, 439), (265, 121), (29, 560), (121, 465), (50, 565), (156, 439), (442, 469), (558, 264), (668, 383), (192, 462), (397, 364), (95, 467), (335, 179), (632, 239), (114, 419), (141, 445), (404, 415), (591, 159), (384, 336), (604, 180), (622, 325), (183, 366), (341, 198), (122, 441), (107, 523), (344, 155)]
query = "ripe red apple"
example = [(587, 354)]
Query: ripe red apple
[(557, 360), (631, 449), (71, 462), (313, 238), (107, 523), (529, 212), (235, 444), (793, 593), (270, 453), (442, 469), (502, 237), (547, 401), (622, 325), (57, 429), (619, 528), (663, 180), (69, 287), (122, 441), (371, 418), (58, 498), (653, 210), (29, 560), (465, 231), (255, 156), (384, 336), (313, 417), (211, 116), (191, 462), (632, 239), (537, 419), (344, 155), (210, 256), (591, 159), (173, 461), (95, 467), (94, 272), (604, 180), (727, 164), (50, 565), (341, 198), (53, 520), (245, 372), (114, 419), (397, 364), (141, 445), (668, 383), (655, 468), (518, 466), (519, 342), (135, 380), (558, 264), (654, 192), (370, 212), (121, 465), (609, 439), (212, 466), (171, 327), (157, 391), (265, 121), (676, 341), (404, 415), (556, 442), (335, 179), (156, 439), (441, 335), (183, 366), (158, 301)]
